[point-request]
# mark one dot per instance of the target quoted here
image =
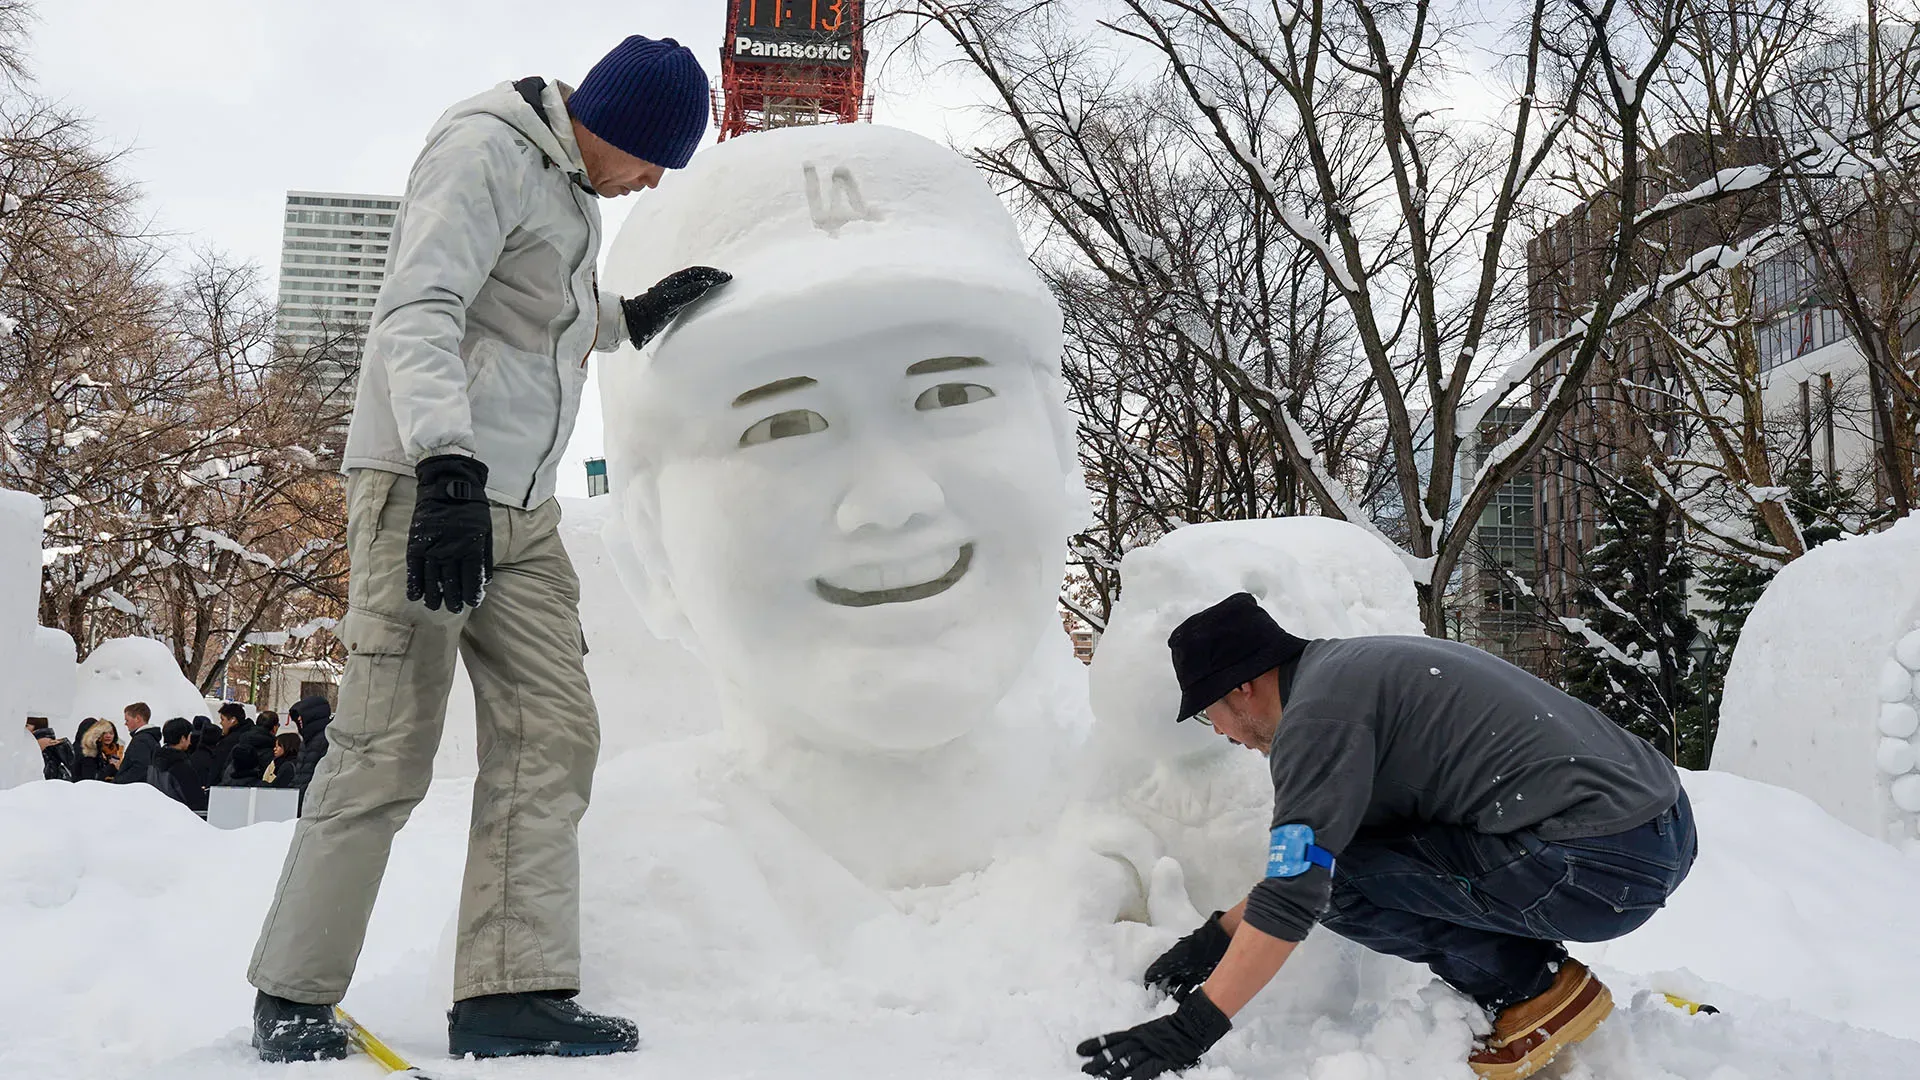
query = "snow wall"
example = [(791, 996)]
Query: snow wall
[(1823, 694)]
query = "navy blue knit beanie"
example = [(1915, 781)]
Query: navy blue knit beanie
[(648, 98)]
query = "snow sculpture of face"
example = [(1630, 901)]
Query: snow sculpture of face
[(845, 478)]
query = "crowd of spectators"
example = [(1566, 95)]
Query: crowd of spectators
[(184, 757)]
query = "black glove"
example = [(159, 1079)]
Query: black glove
[(1181, 969), (651, 311), (450, 546), (1164, 1044)]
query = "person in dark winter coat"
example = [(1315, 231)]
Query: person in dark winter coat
[(286, 759), (172, 768), (312, 714), (143, 740), (99, 745), (245, 750), (206, 740), (56, 754), (233, 725)]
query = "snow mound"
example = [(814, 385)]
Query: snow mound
[(1845, 908), (124, 670), (1823, 694), (1318, 577)]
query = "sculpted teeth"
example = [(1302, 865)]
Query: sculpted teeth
[(892, 575), (916, 581)]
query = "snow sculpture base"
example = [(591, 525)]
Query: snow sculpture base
[(1823, 694)]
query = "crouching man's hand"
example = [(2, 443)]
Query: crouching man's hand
[(1165, 1044), (1180, 970)]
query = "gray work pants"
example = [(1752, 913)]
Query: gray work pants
[(538, 739)]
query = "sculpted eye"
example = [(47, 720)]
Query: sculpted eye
[(947, 395), (784, 425)]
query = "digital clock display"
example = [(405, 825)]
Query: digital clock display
[(798, 16), (796, 31)]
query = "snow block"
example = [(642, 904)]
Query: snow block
[(1821, 694), (20, 523), (48, 689)]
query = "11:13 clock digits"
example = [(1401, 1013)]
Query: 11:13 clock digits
[(817, 16)]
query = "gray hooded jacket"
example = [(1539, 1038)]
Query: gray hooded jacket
[(491, 304)]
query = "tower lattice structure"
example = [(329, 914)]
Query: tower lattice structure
[(791, 62)]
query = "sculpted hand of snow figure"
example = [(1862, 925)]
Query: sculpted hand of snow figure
[(846, 480)]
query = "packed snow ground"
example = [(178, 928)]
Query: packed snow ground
[(126, 924)]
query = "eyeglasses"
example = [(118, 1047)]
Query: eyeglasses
[(1202, 717)]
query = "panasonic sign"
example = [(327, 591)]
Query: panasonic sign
[(746, 47)]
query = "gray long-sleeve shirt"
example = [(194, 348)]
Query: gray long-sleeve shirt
[(1380, 733)]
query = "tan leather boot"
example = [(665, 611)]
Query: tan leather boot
[(1528, 1035)]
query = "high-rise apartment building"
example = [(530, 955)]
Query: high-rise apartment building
[(333, 257), (1608, 429)]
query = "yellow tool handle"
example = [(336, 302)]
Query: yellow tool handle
[(367, 1043), (1692, 1007)]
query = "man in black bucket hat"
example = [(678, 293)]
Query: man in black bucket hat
[(1433, 802)]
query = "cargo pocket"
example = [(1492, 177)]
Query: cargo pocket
[(368, 491), (376, 660)]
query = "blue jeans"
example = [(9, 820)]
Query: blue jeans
[(1488, 913)]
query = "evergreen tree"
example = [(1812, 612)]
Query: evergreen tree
[(1734, 585), (1630, 655)]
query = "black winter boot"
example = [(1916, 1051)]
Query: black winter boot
[(545, 1022), (290, 1031)]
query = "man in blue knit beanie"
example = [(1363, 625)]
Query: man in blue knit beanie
[(469, 386)]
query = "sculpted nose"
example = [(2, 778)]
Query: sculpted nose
[(890, 494)]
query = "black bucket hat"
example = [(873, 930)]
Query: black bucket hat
[(1228, 644)]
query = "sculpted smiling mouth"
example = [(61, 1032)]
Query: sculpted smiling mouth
[(899, 582)]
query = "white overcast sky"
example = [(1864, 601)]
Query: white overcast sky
[(225, 105)]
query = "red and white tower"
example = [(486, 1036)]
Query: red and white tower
[(791, 62)]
